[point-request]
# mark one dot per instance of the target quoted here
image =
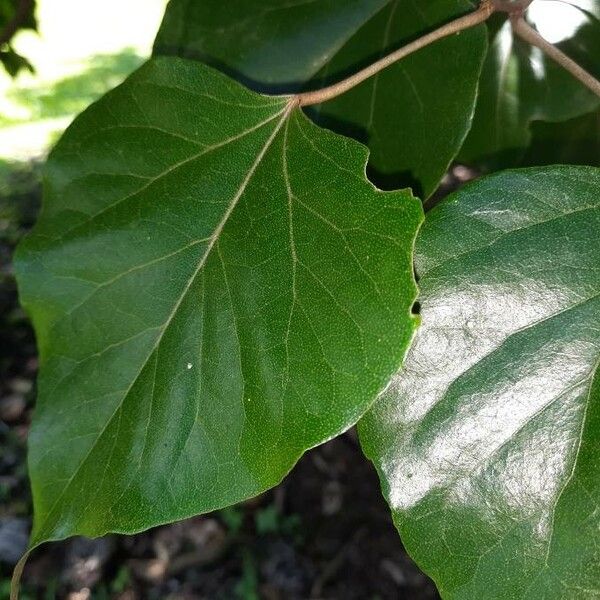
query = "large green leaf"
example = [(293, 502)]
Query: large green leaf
[(414, 116), (519, 84), (215, 287), (488, 442)]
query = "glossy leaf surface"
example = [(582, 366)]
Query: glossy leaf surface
[(414, 116), (519, 84), (215, 287), (488, 442)]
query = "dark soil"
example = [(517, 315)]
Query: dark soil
[(325, 532)]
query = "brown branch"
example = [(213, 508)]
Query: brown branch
[(470, 20), (16, 577), (515, 10), (530, 35), (24, 7), (511, 6)]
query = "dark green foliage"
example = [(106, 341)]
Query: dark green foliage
[(520, 85), (414, 116), (15, 15)]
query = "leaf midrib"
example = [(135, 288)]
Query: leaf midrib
[(38, 537), (151, 181)]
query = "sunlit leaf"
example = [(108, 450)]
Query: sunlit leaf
[(215, 288), (488, 441), (519, 84)]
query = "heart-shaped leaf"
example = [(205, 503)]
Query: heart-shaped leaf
[(519, 84), (414, 116), (488, 441), (215, 287)]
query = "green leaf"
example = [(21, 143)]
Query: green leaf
[(275, 45), (13, 63), (215, 287), (573, 142), (519, 84), (487, 443), (414, 115), (15, 16)]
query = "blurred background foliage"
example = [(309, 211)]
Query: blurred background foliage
[(77, 51)]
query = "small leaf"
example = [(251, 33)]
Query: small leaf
[(519, 84), (13, 63), (487, 443), (414, 116), (275, 46), (215, 288), (15, 16)]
